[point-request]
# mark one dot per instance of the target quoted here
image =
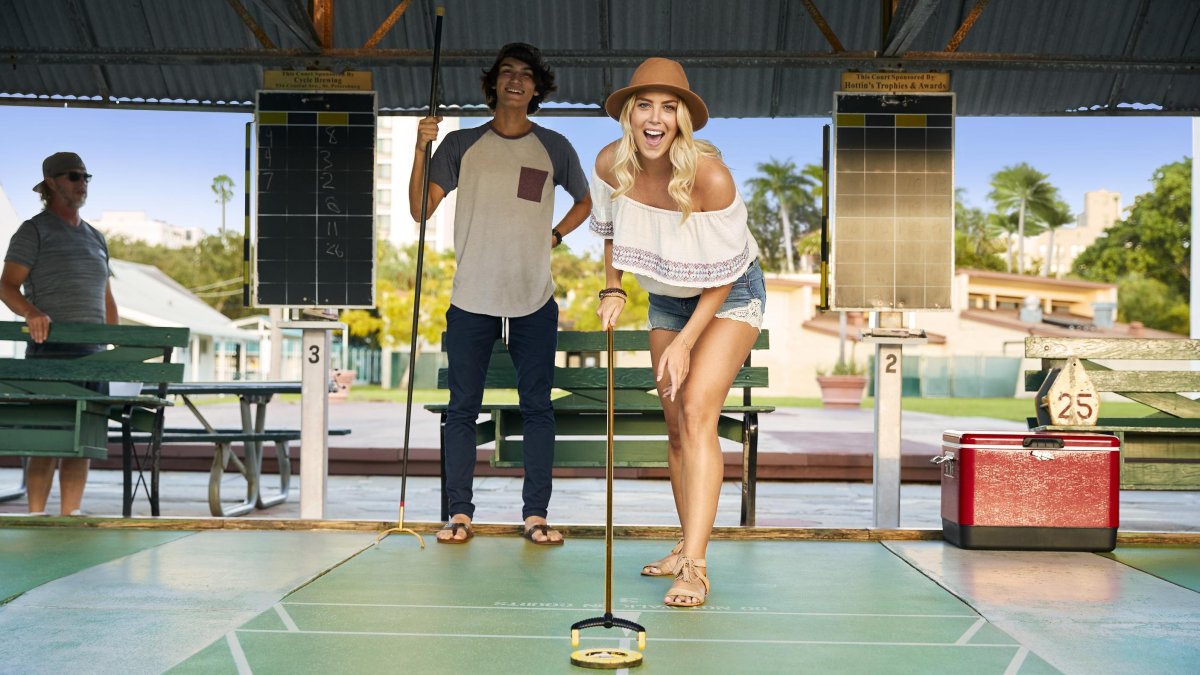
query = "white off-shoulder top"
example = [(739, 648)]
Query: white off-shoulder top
[(712, 248)]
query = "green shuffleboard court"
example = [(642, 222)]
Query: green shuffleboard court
[(33, 556), (1176, 564), (501, 605)]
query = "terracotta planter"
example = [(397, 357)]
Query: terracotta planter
[(842, 391), (342, 380)]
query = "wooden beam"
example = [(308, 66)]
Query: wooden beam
[(961, 33), (1142, 349), (322, 20), (244, 15), (823, 26), (387, 24)]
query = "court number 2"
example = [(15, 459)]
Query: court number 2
[(1085, 409), (314, 354), (889, 364)]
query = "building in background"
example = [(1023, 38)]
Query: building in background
[(395, 144), (1101, 209), (137, 226)]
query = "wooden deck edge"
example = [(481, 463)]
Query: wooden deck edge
[(503, 529)]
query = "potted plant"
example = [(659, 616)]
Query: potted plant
[(843, 385)]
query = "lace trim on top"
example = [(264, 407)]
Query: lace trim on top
[(601, 228), (678, 272)]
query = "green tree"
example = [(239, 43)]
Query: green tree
[(1153, 303), (976, 237), (211, 269), (222, 187), (788, 192), (579, 280), (1154, 245), (1054, 218), (1023, 190), (1154, 241), (764, 225)]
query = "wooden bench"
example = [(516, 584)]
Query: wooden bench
[(249, 465), (1160, 451), (44, 412), (640, 436)]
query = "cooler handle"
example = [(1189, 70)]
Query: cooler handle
[(1043, 443)]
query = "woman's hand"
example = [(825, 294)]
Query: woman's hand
[(675, 364), (610, 310)]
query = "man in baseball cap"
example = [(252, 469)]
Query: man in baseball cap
[(56, 270)]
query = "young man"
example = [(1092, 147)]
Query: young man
[(505, 173), (63, 264)]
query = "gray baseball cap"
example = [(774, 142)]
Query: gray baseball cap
[(59, 163)]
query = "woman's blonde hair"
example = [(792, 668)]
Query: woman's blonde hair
[(684, 154)]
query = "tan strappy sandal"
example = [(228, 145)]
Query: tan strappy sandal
[(688, 573), (664, 570)]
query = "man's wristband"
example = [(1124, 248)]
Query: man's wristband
[(615, 291), (557, 235)]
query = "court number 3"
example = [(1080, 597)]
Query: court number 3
[(1085, 409), (314, 354)]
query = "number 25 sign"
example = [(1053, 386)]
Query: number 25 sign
[(1071, 399)]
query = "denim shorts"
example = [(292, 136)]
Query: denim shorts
[(746, 302)]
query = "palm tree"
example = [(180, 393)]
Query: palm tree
[(1059, 215), (222, 187), (1021, 189), (788, 190)]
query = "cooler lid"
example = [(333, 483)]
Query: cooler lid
[(1049, 440)]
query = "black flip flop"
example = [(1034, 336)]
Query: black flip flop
[(454, 528), (545, 530)]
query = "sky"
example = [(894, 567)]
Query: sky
[(164, 163)]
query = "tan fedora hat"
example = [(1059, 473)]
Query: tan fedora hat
[(660, 73)]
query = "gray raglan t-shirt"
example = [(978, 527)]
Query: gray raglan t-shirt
[(504, 214), (68, 268)]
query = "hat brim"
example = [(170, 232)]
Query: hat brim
[(695, 105), (40, 186)]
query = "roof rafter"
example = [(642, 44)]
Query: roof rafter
[(902, 33), (291, 17), (607, 59)]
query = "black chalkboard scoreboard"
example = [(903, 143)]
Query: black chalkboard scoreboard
[(315, 243)]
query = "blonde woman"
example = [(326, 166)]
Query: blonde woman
[(670, 214)]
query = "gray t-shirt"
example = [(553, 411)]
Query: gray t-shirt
[(68, 268), (504, 214)]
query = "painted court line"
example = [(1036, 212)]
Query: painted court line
[(286, 619), (966, 637), (859, 643), (663, 610), (1018, 660), (239, 656)]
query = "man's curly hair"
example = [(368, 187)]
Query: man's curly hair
[(543, 77)]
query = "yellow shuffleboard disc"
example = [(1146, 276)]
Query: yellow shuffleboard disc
[(606, 659)]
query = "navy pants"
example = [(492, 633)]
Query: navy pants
[(532, 342)]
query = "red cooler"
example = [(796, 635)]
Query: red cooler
[(1030, 491)]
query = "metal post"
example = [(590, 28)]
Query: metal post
[(889, 336), (888, 408), (314, 414)]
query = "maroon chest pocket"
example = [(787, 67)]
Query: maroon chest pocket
[(530, 185)]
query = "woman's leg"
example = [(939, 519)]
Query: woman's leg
[(659, 340), (715, 360)]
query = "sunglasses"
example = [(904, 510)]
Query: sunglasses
[(76, 176)]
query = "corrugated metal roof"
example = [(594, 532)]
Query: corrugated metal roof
[(757, 58)]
